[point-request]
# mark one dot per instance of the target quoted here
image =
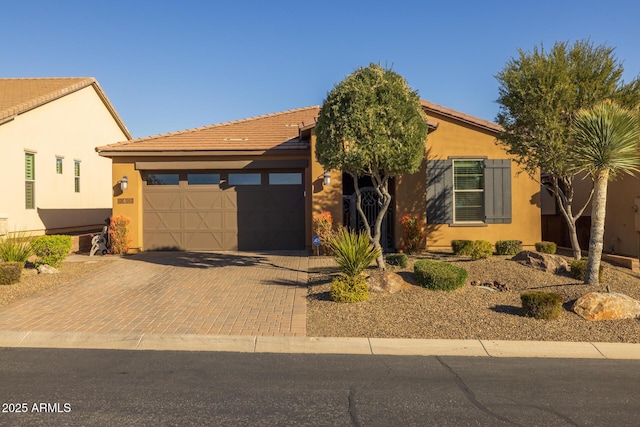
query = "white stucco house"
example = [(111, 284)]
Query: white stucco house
[(54, 181)]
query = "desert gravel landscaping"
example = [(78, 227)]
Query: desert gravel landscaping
[(469, 312), (466, 313)]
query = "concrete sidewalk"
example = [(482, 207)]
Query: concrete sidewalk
[(370, 346)]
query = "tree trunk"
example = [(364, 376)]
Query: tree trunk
[(386, 201), (573, 238), (375, 236), (564, 196), (598, 211)]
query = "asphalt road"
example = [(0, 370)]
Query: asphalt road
[(121, 388)]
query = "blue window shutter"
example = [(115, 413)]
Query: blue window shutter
[(439, 192), (497, 191)]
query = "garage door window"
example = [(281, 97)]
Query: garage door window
[(163, 179), (285, 178), (245, 179), (203, 178)]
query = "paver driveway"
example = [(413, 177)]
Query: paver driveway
[(176, 293)]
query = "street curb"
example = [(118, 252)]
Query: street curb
[(321, 345)]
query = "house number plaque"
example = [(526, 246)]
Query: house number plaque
[(126, 201)]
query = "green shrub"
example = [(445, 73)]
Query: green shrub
[(349, 289), (508, 247), (546, 247), (51, 250), (439, 275), (10, 272), (15, 248), (353, 252), (541, 305), (481, 249), (399, 260), (579, 269), (461, 247)]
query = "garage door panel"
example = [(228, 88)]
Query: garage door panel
[(208, 240), (163, 240), (203, 221), (163, 220), (210, 200), (167, 200)]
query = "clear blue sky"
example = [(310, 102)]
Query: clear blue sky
[(174, 65)]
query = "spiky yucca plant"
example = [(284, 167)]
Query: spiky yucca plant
[(15, 247), (353, 252), (607, 142)]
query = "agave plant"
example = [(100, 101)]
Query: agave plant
[(353, 252)]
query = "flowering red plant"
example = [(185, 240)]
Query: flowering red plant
[(413, 236), (323, 228)]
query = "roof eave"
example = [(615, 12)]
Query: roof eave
[(197, 153), (112, 110), (462, 117)]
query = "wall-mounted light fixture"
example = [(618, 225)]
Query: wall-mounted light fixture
[(327, 178), (124, 183)]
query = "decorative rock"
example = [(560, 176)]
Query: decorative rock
[(545, 262), (46, 269), (387, 282), (493, 286), (606, 306)]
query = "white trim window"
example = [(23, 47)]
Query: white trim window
[(468, 191), (76, 175), (30, 180)]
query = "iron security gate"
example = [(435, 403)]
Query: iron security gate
[(351, 218)]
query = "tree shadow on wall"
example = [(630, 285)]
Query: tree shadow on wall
[(438, 205)]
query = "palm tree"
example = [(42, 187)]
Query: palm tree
[(607, 139)]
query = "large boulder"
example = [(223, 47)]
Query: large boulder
[(607, 306), (545, 262), (386, 282)]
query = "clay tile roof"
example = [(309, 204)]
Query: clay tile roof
[(268, 132), (17, 96), (485, 124)]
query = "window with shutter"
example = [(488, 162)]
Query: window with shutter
[(469, 191)]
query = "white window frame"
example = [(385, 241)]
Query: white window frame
[(455, 191), (76, 176), (60, 161), (31, 181)]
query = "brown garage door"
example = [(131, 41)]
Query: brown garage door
[(224, 210)]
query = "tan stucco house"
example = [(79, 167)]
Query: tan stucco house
[(622, 220), (54, 180), (254, 184)]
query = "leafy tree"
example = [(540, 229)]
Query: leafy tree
[(372, 124), (539, 94), (607, 142)]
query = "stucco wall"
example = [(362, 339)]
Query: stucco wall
[(622, 222), (70, 127), (325, 197), (454, 138)]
